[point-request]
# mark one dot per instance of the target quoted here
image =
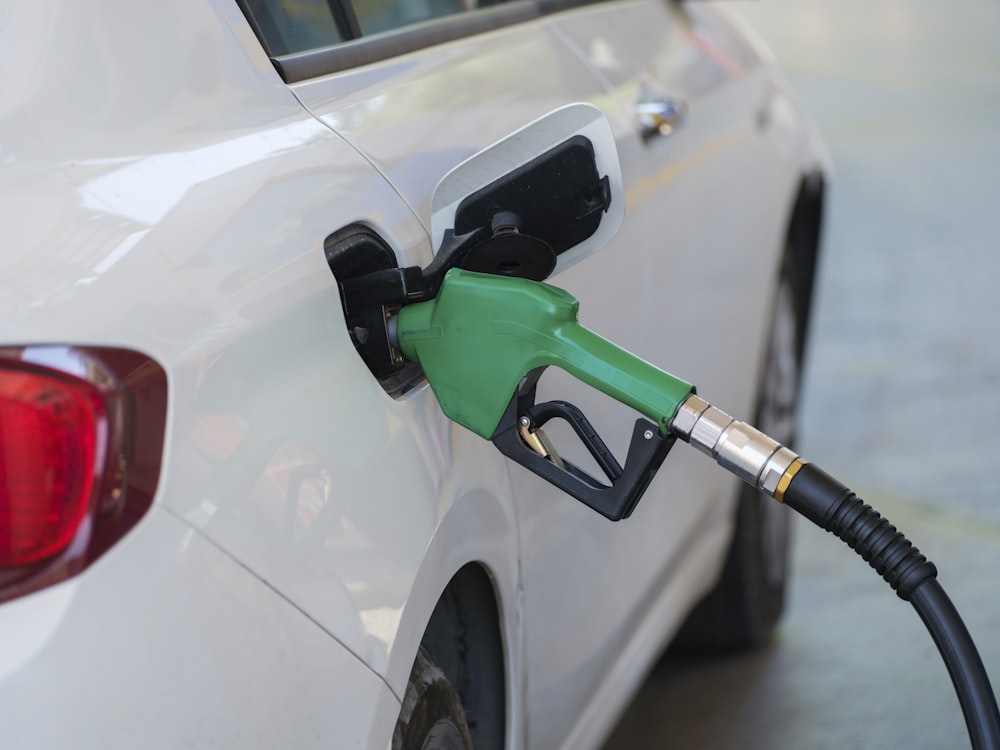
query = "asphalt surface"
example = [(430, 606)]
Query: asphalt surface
[(902, 390)]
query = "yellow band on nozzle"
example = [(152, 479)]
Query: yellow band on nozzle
[(786, 479)]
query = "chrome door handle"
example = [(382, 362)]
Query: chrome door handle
[(659, 117)]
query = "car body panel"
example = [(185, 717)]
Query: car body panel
[(222, 660), (173, 195)]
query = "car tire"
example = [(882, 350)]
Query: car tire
[(431, 717), (741, 611)]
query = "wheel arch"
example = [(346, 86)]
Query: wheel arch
[(464, 637), (464, 602)]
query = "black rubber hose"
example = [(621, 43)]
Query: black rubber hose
[(832, 506), (964, 665)]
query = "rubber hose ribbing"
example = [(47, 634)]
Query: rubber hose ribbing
[(831, 506)]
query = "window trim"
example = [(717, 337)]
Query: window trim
[(335, 58)]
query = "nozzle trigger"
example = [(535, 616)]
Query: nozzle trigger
[(520, 438)]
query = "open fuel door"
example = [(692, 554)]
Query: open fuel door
[(544, 196), (547, 194)]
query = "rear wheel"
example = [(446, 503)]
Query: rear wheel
[(745, 605), (431, 717)]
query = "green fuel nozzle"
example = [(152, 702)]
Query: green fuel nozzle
[(482, 343), (483, 333)]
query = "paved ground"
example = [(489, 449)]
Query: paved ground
[(902, 395)]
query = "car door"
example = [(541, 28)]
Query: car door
[(418, 99), (685, 285)]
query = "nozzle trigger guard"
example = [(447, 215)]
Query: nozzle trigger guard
[(614, 501)]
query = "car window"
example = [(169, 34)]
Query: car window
[(310, 38), (384, 15), (293, 26)]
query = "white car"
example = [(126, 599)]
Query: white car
[(218, 526)]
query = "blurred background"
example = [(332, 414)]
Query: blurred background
[(902, 390)]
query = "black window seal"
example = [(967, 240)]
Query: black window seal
[(301, 66)]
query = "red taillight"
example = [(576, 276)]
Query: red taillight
[(81, 433), (49, 427)]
